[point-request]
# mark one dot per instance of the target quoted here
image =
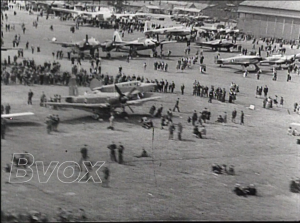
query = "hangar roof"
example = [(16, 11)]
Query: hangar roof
[(284, 5)]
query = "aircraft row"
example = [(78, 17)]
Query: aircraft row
[(247, 60)]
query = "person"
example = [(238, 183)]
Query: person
[(152, 110), (211, 95), (171, 130), (196, 132), (106, 177), (145, 66), (3, 128), (30, 95), (159, 111), (2, 109), (43, 100), (120, 152), (112, 148), (182, 89), (7, 109), (281, 101), (176, 105), (194, 118), (147, 124), (179, 130), (258, 74), (265, 102), (290, 131), (49, 125), (220, 119), (84, 157), (111, 121), (233, 115), (242, 118), (266, 89), (225, 117), (144, 154)]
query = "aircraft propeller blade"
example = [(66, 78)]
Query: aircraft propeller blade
[(132, 90), (130, 109), (119, 91)]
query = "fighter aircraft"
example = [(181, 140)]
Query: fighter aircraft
[(11, 116), (280, 59), (139, 44), (103, 14), (86, 44), (97, 85), (171, 31), (217, 44), (243, 60), (98, 102)]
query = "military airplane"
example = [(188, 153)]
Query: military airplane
[(86, 44), (170, 31), (217, 44), (103, 14), (12, 115), (243, 60), (139, 44), (98, 102), (97, 85), (280, 59), (90, 44)]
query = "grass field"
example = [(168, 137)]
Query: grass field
[(176, 183)]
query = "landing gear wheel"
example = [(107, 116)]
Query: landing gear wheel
[(124, 115), (96, 117)]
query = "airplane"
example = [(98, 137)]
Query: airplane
[(11, 116), (97, 85), (243, 60), (103, 14), (98, 102), (90, 44), (280, 59), (217, 44), (139, 44), (87, 44), (170, 31)]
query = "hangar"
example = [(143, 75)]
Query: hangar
[(278, 19)]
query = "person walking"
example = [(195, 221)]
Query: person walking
[(30, 95), (233, 115), (176, 105), (242, 118), (112, 148), (179, 130), (120, 153), (111, 121), (106, 177)]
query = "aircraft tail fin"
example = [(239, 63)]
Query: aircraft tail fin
[(117, 37), (95, 84), (73, 91)]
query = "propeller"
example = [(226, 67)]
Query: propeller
[(122, 97)]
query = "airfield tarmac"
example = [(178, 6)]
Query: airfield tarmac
[(176, 183)]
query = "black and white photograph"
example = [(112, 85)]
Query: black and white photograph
[(140, 110)]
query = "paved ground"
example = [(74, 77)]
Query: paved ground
[(177, 182)]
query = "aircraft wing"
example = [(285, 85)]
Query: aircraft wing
[(16, 114), (141, 101), (78, 105), (130, 44), (167, 42), (63, 44), (65, 10), (10, 48)]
